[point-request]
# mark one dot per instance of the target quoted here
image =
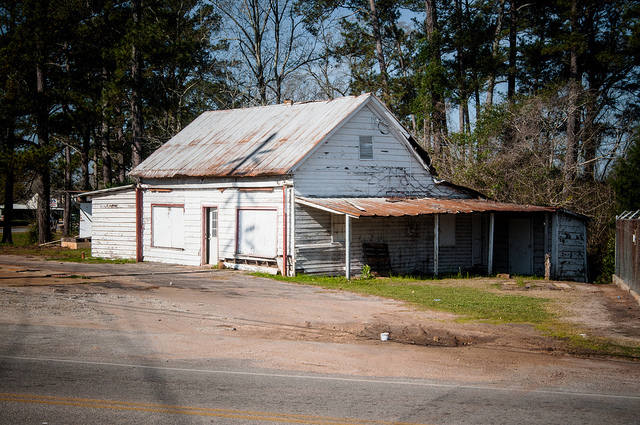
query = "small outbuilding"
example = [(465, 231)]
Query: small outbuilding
[(322, 187)]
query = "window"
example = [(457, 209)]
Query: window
[(366, 147), (338, 228), (167, 226), (257, 232), (447, 230)]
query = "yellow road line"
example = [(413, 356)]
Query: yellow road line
[(186, 410)]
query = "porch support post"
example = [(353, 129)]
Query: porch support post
[(292, 230), (284, 230), (436, 243), (347, 245), (491, 231), (139, 218), (555, 234)]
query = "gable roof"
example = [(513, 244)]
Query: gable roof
[(260, 141)]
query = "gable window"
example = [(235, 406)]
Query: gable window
[(366, 147), (167, 226)]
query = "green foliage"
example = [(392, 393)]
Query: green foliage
[(625, 179), (608, 264), (366, 272)]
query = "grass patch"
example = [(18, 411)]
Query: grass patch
[(22, 246), (469, 302), (19, 240), (581, 339)]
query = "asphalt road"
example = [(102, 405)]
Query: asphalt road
[(41, 389)]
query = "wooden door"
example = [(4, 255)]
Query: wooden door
[(520, 246), (211, 235)]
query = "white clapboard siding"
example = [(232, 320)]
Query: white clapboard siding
[(335, 168), (194, 200), (114, 225)]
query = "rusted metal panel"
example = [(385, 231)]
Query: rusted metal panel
[(397, 207), (259, 141)]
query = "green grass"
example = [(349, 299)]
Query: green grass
[(469, 302), (581, 339), (22, 246)]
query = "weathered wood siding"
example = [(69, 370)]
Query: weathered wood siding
[(114, 225), (571, 248), (539, 248), (459, 257), (501, 243), (335, 168), (194, 200)]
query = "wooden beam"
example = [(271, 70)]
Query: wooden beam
[(491, 231), (347, 244), (139, 221), (555, 223), (436, 243)]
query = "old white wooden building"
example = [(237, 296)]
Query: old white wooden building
[(321, 187)]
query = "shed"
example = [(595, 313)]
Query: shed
[(321, 187)]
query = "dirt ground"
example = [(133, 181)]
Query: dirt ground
[(195, 312)]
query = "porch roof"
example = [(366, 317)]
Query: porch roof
[(398, 207)]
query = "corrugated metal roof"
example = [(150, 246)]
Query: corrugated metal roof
[(267, 140), (398, 207)]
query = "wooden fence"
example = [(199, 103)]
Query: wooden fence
[(627, 252)]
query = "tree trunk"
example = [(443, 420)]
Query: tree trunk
[(66, 227), (591, 138), (104, 136), (513, 49), (570, 160), (43, 178), (84, 159), (380, 54), (136, 88), (438, 107), (9, 176), (495, 52)]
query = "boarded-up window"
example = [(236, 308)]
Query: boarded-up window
[(366, 147), (338, 228), (257, 232), (167, 226), (447, 235)]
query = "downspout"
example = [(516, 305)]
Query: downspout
[(284, 230), (139, 219)]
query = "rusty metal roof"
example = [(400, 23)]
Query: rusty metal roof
[(398, 207), (267, 140)]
